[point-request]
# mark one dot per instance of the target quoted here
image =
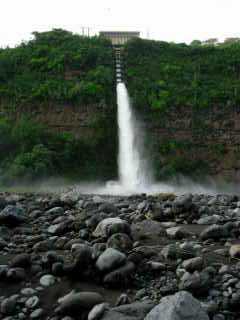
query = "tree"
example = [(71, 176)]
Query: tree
[(196, 43)]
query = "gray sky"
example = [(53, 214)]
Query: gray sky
[(169, 20)]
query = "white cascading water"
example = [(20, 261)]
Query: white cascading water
[(130, 165)]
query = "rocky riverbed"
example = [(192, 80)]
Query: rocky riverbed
[(163, 257)]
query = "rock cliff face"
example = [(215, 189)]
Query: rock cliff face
[(209, 137), (181, 139), (94, 126), (79, 120)]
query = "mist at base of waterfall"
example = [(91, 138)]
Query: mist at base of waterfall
[(178, 186)]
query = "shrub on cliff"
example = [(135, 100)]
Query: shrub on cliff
[(29, 151), (52, 65), (161, 75), (32, 165)]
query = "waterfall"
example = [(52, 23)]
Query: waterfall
[(132, 172)]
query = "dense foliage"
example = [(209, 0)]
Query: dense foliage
[(57, 69), (162, 74), (57, 66), (171, 83), (28, 151)]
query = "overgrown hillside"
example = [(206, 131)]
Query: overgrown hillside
[(162, 74), (189, 97), (57, 71)]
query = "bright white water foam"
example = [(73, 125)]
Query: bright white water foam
[(131, 165)]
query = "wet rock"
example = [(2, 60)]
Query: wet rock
[(47, 280), (43, 246), (98, 249), (209, 219), (82, 257), (133, 311), (123, 299), (110, 226), (180, 306), (213, 232), (12, 216), (234, 251), (57, 269), (197, 283), (49, 258), (32, 302), (120, 241), (3, 202), (5, 233), (59, 229), (75, 303), (193, 264), (22, 260), (97, 311), (184, 202), (97, 199), (177, 233), (16, 274), (148, 228), (28, 291), (121, 276), (108, 208), (56, 211), (156, 266), (3, 244), (170, 251), (110, 259), (36, 314), (8, 305), (188, 250)]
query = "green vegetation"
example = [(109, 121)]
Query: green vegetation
[(167, 82), (161, 74), (29, 151), (177, 87), (57, 66)]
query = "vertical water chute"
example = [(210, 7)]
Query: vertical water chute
[(131, 165)]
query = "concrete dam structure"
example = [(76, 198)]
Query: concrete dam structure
[(119, 38)]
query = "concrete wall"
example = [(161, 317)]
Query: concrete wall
[(119, 37)]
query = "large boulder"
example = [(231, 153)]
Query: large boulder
[(133, 311), (60, 228), (82, 258), (110, 226), (234, 251), (180, 306), (3, 202), (75, 303), (110, 259), (22, 260), (177, 233), (193, 264), (184, 202), (120, 241), (197, 282), (214, 231), (147, 228), (12, 216), (120, 277), (108, 207)]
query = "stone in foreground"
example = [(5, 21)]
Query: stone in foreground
[(12, 216), (180, 306), (75, 303), (110, 259)]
